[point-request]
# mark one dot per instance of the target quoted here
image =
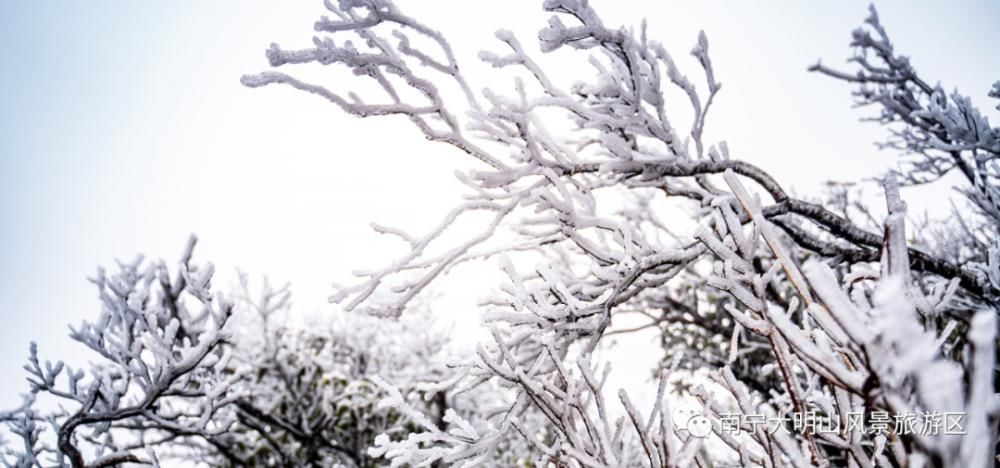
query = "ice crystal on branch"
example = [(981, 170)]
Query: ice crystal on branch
[(869, 326), (791, 307), (159, 344)]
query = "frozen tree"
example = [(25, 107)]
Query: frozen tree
[(313, 395), (846, 318), (938, 133), (186, 376), (159, 344), (831, 333)]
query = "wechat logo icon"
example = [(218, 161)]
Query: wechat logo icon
[(697, 425)]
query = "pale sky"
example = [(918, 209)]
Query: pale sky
[(124, 129)]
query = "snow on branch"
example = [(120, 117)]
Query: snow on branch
[(939, 132), (158, 343), (870, 324)]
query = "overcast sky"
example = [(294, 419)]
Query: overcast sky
[(123, 129)]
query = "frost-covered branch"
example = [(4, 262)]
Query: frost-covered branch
[(159, 343), (577, 182), (939, 132)]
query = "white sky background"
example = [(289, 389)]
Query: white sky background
[(123, 128)]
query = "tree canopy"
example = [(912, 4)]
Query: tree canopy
[(824, 332)]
